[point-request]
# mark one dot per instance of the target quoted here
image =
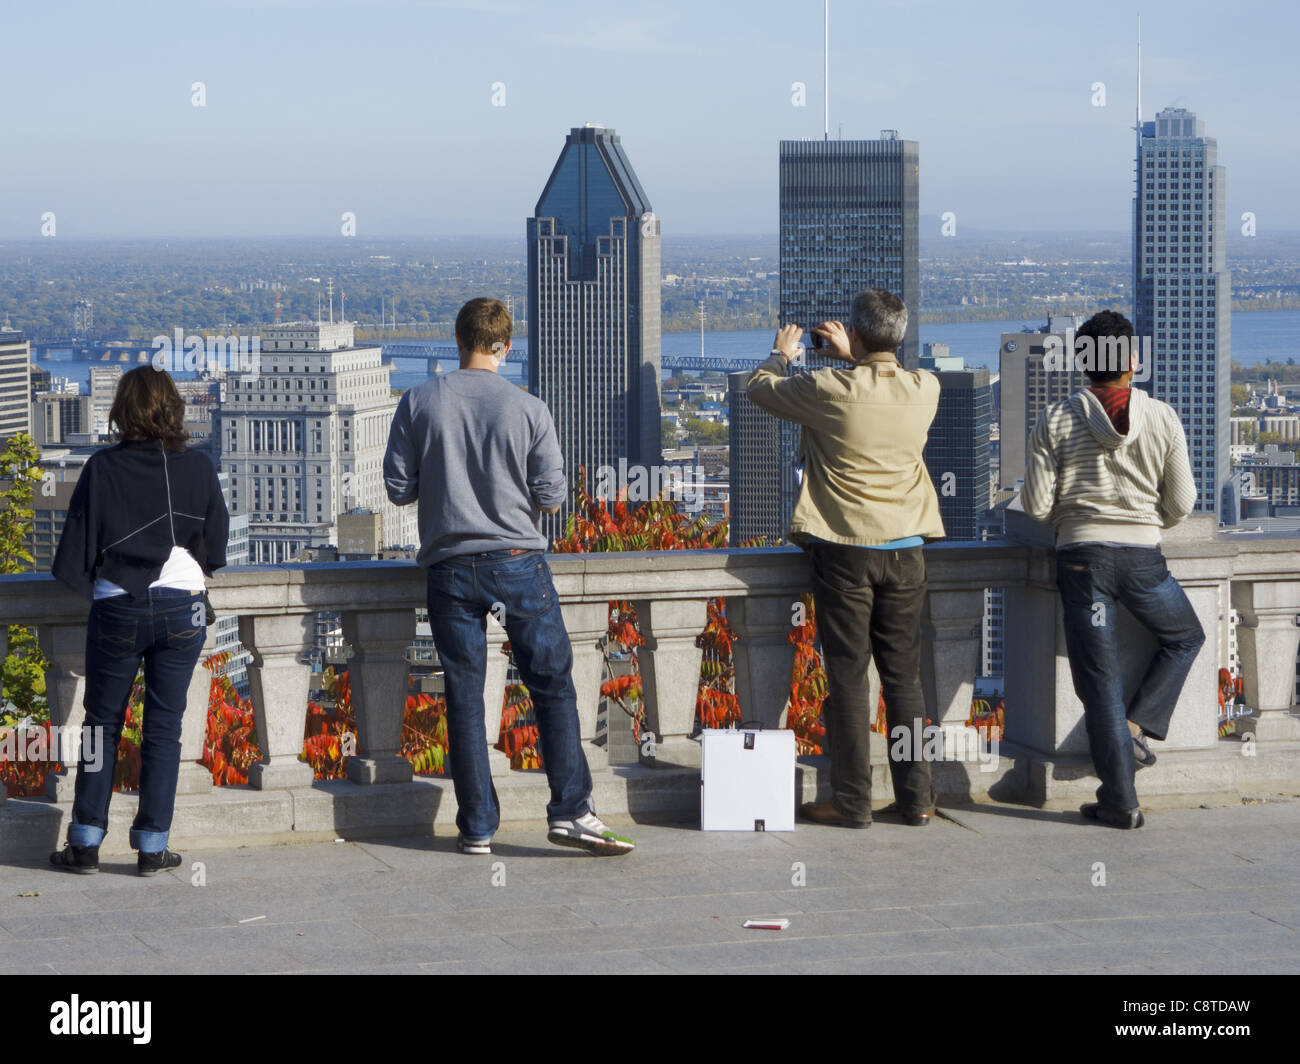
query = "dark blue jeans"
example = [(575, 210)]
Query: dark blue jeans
[(167, 630), (1092, 580), (519, 591)]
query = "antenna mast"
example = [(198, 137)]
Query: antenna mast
[(826, 66), (1138, 125)]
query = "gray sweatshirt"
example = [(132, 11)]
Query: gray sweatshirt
[(482, 458)]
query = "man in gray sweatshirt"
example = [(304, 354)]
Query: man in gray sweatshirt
[(482, 459), (1108, 468)]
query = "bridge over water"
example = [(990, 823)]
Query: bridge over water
[(433, 353)]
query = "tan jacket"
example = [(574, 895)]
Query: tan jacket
[(865, 428)]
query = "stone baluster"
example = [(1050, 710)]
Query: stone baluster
[(587, 624), (378, 673), (279, 679), (494, 693), (195, 778), (670, 676), (65, 688), (762, 654), (950, 649), (1268, 638)]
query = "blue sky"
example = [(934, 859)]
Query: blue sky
[(384, 108)]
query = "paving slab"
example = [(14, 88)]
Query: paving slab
[(1008, 889)]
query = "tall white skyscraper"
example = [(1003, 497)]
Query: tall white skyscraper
[(303, 439), (1182, 291)]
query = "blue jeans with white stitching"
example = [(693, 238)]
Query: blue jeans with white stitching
[(519, 591), (166, 631)]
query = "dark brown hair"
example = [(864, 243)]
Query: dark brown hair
[(481, 325), (147, 406)]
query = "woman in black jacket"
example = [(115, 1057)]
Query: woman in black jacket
[(146, 523)]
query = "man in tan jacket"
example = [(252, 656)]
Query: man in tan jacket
[(865, 506)]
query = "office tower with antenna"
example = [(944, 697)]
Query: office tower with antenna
[(1182, 291), (848, 221)]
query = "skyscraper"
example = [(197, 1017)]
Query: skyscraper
[(1029, 388), (15, 394), (848, 221), (594, 305), (957, 453), (1182, 291), (755, 436)]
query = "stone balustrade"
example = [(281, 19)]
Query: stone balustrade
[(1043, 756)]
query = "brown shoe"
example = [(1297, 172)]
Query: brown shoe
[(826, 813), (915, 819)]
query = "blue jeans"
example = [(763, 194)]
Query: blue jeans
[(519, 591), (1092, 579), (167, 630)]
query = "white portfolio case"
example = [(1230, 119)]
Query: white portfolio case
[(747, 780)]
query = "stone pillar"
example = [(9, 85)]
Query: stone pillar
[(763, 654), (620, 745), (670, 675), (1268, 638), (378, 674), (65, 689), (950, 650), (195, 778), (279, 681), (494, 695), (587, 624)]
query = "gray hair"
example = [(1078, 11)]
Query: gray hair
[(880, 319)]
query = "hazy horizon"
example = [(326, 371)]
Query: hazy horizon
[(386, 109)]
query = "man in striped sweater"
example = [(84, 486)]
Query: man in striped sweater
[(1108, 468)]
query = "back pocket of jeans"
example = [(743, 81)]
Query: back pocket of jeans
[(524, 592)]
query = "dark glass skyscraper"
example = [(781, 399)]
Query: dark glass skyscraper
[(1182, 290), (957, 453), (848, 221), (593, 308)]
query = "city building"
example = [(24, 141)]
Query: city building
[(15, 395), (938, 359), (594, 306), (957, 452), (1027, 388), (1182, 290), (303, 440), (848, 222), (103, 387), (61, 418), (758, 467)]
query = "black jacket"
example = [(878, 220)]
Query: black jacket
[(132, 504)]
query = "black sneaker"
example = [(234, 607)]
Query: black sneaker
[(150, 864), (1113, 817), (84, 860)]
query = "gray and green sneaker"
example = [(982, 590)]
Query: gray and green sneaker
[(587, 832)]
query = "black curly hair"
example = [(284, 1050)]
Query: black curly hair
[(1105, 324)]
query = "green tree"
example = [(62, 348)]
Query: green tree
[(22, 673), (1240, 395)]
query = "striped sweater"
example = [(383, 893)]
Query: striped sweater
[(1095, 484)]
